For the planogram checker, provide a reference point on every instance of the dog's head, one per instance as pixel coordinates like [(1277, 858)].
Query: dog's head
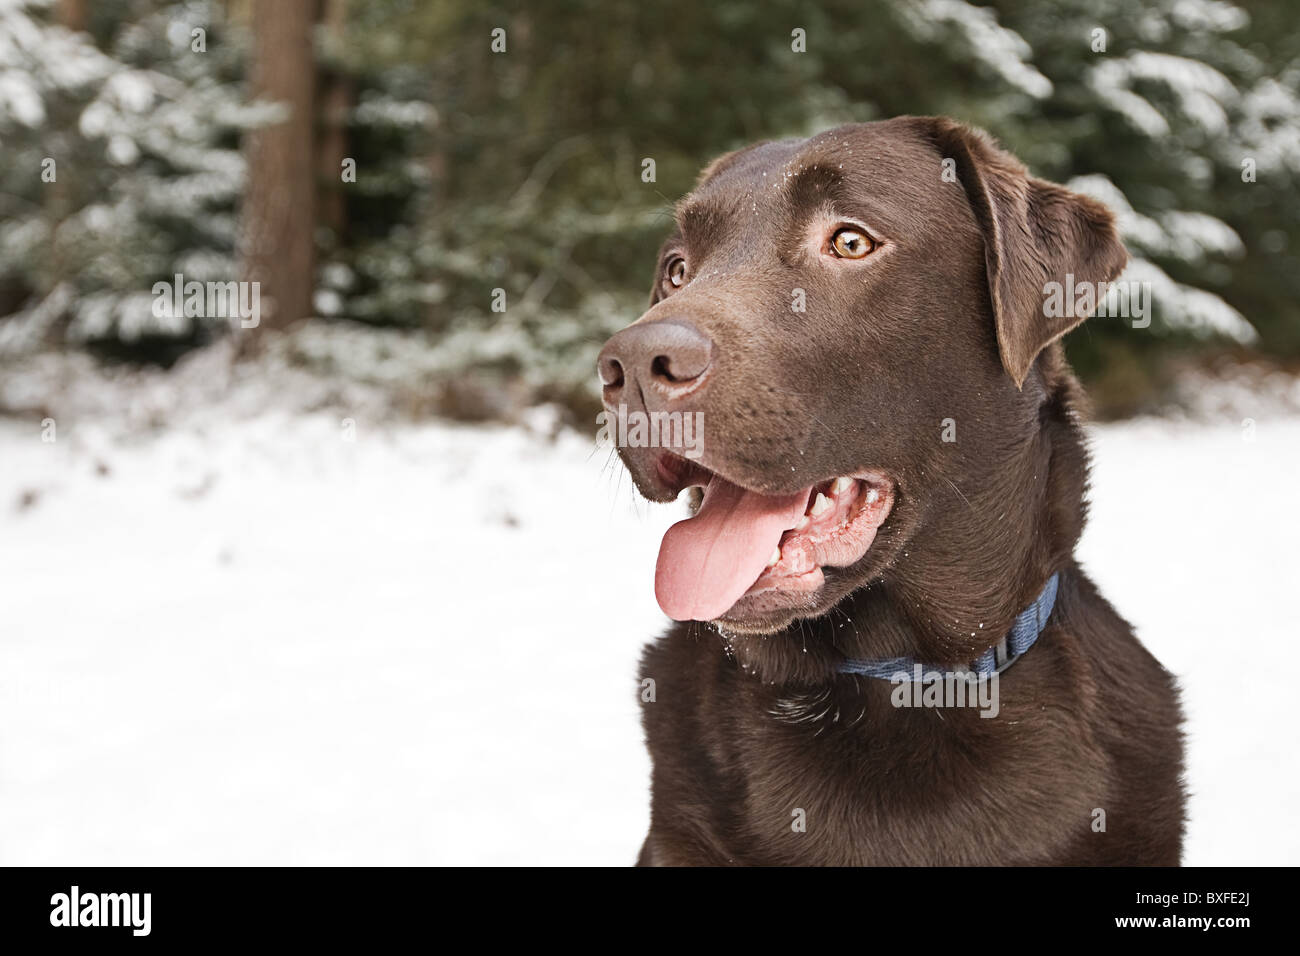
[(849, 328)]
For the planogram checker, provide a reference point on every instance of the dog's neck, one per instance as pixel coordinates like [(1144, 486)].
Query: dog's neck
[(917, 607), (814, 652)]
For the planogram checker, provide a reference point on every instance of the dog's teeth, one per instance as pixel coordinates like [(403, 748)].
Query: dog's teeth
[(872, 495), (821, 505), (776, 557), (841, 485), (803, 523)]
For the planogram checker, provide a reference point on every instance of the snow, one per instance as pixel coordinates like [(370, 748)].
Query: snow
[(1002, 50), (232, 635), (1270, 127), (1202, 91), (1188, 308), (1192, 538), (1210, 15), (261, 643), (35, 58), (1188, 236)]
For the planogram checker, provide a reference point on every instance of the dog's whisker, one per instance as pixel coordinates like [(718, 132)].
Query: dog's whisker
[(959, 494)]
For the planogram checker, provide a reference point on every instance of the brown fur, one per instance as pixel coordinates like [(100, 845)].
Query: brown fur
[(750, 722)]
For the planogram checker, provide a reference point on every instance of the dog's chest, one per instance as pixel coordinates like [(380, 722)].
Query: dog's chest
[(839, 775)]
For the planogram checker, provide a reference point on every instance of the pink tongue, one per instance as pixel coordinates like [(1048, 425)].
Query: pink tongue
[(707, 562)]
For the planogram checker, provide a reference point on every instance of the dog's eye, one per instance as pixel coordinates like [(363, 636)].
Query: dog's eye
[(851, 243), (675, 272)]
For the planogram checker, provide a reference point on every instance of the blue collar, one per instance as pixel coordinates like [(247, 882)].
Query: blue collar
[(1024, 632)]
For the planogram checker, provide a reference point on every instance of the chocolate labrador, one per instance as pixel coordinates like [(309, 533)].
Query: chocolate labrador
[(886, 653)]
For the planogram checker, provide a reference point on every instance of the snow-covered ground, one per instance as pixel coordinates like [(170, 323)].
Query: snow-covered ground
[(244, 638)]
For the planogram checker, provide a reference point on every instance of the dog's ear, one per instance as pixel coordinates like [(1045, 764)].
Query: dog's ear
[(1035, 232)]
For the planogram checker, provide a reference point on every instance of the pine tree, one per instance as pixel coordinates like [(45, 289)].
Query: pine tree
[(121, 169)]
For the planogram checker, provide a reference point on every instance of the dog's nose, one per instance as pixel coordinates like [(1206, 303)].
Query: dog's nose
[(669, 356)]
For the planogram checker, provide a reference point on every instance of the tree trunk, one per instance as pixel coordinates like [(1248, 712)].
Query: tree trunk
[(72, 14), (336, 103), (279, 204)]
